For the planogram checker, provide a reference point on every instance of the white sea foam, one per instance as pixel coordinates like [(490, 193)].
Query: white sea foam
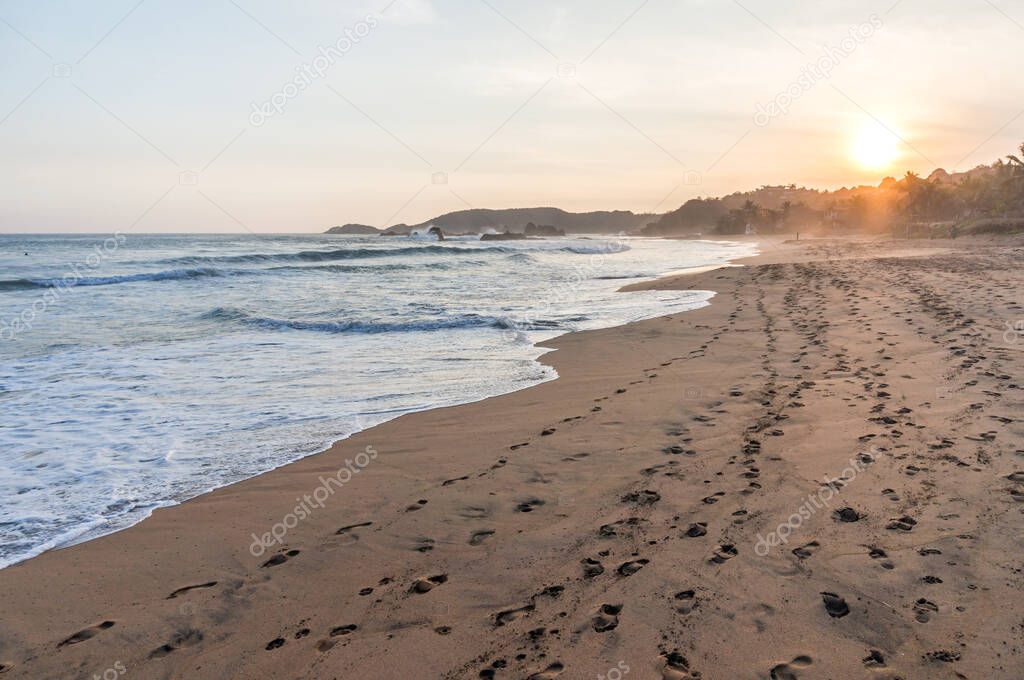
[(193, 362)]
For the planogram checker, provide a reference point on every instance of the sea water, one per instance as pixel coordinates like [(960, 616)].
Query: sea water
[(137, 371)]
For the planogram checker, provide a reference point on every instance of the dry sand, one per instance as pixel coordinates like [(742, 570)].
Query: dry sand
[(609, 523)]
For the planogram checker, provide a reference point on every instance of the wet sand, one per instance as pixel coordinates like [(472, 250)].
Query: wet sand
[(821, 475)]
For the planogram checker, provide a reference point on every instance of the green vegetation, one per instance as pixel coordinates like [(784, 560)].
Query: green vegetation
[(987, 199)]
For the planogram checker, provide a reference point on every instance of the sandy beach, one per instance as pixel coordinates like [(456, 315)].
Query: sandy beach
[(820, 476)]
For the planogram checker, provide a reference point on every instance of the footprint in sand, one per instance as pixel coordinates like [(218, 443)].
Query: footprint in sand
[(183, 638), (874, 659), (86, 634), (343, 630), (609, 530), (876, 553), (643, 497), (479, 537), (696, 530), (591, 567), (607, 618), (806, 550), (529, 504), (550, 591), (943, 655), (630, 568), (182, 591), (835, 605), (676, 666), (923, 610), (449, 482), (549, 673), (350, 530), (336, 632), (790, 671), (503, 618), (576, 457), (425, 585), (687, 601), (847, 515), (279, 558), (724, 554), (904, 524)]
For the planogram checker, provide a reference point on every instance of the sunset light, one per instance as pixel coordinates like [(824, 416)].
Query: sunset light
[(875, 147)]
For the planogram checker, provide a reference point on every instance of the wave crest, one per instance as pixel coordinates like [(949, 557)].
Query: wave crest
[(358, 326)]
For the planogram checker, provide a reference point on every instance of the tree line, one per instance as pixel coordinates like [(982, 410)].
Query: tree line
[(989, 198)]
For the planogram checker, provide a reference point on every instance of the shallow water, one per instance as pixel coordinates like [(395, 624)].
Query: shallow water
[(139, 371)]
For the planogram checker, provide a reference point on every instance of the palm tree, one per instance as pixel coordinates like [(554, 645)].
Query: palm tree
[(1016, 164), (1016, 160), (787, 208)]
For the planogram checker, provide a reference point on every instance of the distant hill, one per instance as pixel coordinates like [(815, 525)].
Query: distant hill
[(359, 229), (994, 192), (516, 219), (986, 197)]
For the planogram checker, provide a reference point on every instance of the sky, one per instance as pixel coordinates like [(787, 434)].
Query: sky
[(270, 117)]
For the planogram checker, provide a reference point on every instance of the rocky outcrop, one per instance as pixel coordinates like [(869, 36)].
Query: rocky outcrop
[(478, 219), (355, 229), (543, 230), (507, 236)]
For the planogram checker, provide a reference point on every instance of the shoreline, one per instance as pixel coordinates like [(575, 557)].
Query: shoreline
[(470, 515), (104, 526)]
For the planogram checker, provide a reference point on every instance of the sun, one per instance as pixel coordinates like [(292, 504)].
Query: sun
[(875, 147)]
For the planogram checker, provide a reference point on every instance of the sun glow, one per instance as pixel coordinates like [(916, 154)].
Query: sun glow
[(875, 148)]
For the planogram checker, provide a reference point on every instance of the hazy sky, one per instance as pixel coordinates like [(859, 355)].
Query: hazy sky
[(218, 115)]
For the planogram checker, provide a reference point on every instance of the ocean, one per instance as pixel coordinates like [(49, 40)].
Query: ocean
[(137, 371)]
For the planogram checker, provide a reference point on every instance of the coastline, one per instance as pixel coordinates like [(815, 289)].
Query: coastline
[(449, 598), (194, 443)]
